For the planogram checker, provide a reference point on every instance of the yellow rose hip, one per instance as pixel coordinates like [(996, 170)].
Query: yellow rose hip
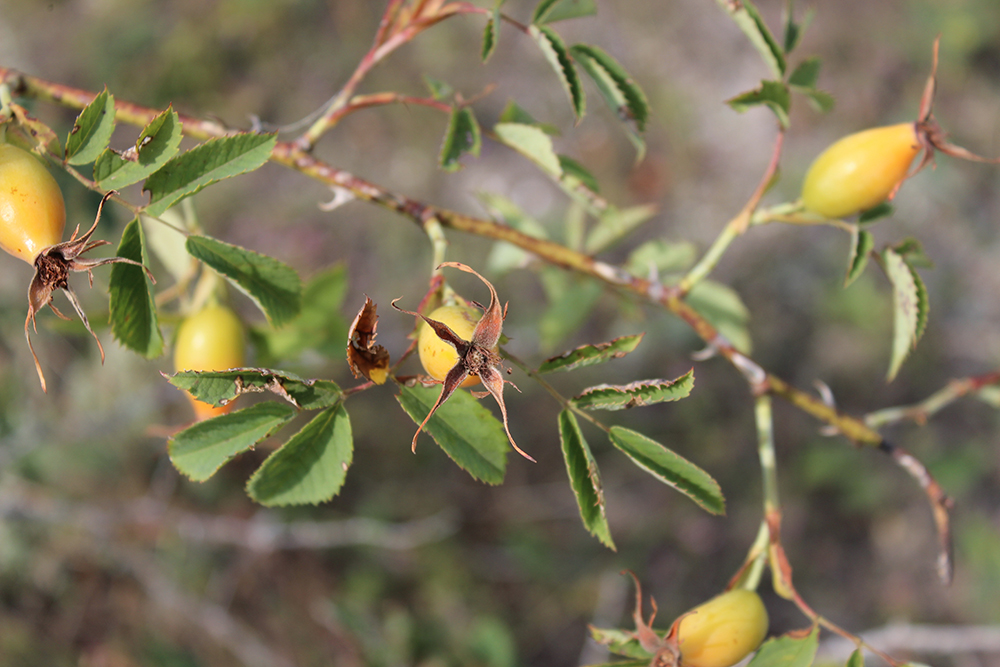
[(722, 631), (32, 211), (718, 633), (210, 340), (866, 168), (436, 355), (860, 170), (476, 354)]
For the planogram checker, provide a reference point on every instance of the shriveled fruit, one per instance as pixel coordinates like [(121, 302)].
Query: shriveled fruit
[(722, 631), (32, 211), (436, 355), (210, 340), (860, 170)]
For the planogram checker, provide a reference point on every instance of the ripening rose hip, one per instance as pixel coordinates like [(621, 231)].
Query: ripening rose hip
[(866, 168), (722, 631), (210, 340), (437, 356), (32, 212), (860, 171)]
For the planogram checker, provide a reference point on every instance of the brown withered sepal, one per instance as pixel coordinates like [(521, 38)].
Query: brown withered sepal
[(475, 357)]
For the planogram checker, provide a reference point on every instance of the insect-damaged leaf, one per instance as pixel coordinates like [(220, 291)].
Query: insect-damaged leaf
[(773, 94), (221, 387), (462, 136), (556, 53), (134, 322), (584, 478), (464, 428), (670, 468), (91, 130), (909, 306), (862, 243), (619, 90), (635, 394), (363, 355), (274, 286), (588, 355), (200, 450), (157, 143), (310, 468), (491, 33)]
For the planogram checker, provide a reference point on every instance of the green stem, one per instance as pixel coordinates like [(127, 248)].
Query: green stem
[(757, 557), (439, 242), (765, 451), (922, 411), (711, 258), (737, 225)]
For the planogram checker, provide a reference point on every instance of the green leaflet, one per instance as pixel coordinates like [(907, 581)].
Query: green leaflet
[(275, 287), (200, 450), (670, 468), (310, 468), (157, 143), (588, 355), (92, 130), (134, 321), (463, 427), (787, 651), (207, 163), (584, 478)]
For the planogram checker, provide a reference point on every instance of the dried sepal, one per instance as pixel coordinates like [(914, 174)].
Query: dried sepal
[(930, 134), (665, 649), (363, 355), (475, 357), (52, 268)]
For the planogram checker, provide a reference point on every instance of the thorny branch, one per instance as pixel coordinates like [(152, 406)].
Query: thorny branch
[(668, 297)]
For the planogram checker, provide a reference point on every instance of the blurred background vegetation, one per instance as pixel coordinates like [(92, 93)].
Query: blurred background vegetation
[(107, 557)]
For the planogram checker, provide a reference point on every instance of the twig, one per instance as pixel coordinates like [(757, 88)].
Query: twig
[(922, 411), (672, 299)]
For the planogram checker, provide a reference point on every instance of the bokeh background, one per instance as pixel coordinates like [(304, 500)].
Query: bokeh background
[(108, 557)]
